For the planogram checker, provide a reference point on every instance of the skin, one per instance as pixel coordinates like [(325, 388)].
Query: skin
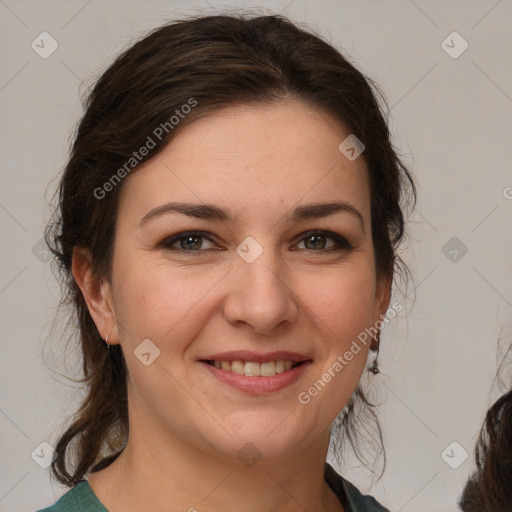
[(186, 427)]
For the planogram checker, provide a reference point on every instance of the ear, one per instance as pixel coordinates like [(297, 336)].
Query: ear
[(382, 296), (97, 295)]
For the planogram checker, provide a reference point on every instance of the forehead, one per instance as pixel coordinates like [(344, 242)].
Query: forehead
[(251, 159)]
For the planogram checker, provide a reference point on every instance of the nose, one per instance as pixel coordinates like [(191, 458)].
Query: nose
[(259, 297)]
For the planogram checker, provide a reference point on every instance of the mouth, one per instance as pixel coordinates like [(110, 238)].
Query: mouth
[(254, 368), (256, 373)]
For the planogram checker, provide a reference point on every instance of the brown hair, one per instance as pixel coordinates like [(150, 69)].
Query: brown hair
[(216, 61), (489, 489)]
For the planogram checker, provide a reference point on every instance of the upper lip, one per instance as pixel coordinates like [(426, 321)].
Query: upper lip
[(257, 357)]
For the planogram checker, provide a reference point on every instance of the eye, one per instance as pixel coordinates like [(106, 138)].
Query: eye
[(190, 241), (317, 241), (314, 241)]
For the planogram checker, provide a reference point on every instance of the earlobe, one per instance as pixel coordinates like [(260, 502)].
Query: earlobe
[(382, 300), (96, 292)]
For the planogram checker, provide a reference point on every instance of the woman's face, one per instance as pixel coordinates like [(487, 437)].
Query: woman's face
[(248, 283)]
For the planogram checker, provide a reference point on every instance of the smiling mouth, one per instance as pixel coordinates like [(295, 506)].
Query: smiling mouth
[(255, 369)]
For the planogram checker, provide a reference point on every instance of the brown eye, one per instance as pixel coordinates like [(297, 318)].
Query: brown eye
[(192, 241), (317, 241)]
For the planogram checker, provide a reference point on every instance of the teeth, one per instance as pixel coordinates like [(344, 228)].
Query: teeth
[(236, 367), (267, 369), (252, 369)]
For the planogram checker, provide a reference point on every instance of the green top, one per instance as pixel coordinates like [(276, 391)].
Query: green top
[(81, 498)]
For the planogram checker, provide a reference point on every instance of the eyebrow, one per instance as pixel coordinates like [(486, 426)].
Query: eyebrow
[(212, 212)]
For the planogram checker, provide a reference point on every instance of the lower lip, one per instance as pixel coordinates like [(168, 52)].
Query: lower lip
[(258, 385)]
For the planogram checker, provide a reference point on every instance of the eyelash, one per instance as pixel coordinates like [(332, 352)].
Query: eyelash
[(342, 243)]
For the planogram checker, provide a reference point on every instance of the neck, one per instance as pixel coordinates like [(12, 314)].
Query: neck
[(153, 473)]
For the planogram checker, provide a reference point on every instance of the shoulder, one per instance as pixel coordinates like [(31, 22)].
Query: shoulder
[(80, 498), (349, 495)]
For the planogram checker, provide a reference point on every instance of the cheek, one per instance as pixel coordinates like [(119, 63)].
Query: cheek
[(341, 307), (158, 302), (343, 302), (163, 305)]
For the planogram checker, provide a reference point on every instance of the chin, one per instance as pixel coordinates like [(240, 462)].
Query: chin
[(269, 437)]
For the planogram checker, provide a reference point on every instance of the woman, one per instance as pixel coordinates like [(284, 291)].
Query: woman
[(227, 227), (490, 488)]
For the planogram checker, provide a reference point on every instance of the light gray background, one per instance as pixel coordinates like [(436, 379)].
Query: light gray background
[(452, 121)]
